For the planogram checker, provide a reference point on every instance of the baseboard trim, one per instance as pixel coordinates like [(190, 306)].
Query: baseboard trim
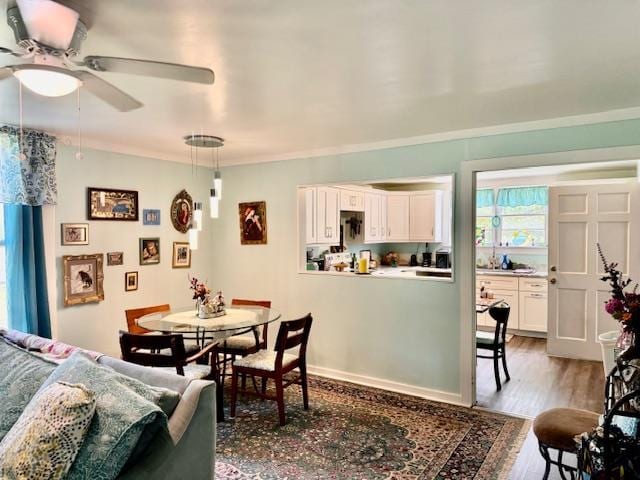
[(429, 394)]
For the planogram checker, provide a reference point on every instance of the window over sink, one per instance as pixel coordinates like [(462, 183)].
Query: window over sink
[(403, 226), (515, 217)]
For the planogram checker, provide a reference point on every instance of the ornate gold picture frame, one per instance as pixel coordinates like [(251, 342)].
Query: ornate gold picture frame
[(83, 279)]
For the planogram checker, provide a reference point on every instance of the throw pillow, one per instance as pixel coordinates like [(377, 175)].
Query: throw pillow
[(45, 440), (21, 375), (122, 421)]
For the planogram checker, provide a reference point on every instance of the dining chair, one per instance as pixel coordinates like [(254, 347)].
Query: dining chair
[(166, 352), (241, 345), (275, 364), (496, 341), (133, 314)]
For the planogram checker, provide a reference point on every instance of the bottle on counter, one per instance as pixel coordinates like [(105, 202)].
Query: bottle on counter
[(504, 263)]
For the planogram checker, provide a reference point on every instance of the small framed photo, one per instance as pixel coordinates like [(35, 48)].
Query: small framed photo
[(130, 281), (181, 255), (115, 258), (110, 204), (75, 234), (253, 223), (83, 279), (150, 217), (149, 251)]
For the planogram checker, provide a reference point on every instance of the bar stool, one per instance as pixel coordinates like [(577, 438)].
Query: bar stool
[(556, 429)]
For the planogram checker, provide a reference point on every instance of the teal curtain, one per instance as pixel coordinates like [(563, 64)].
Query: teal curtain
[(27, 298), (27, 181), (484, 198), (522, 196)]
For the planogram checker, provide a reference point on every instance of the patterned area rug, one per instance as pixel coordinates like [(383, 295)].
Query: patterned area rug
[(355, 432)]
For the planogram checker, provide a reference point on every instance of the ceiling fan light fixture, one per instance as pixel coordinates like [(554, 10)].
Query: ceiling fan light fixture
[(47, 82)]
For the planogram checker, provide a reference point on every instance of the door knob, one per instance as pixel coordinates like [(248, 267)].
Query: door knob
[(552, 281), (553, 268)]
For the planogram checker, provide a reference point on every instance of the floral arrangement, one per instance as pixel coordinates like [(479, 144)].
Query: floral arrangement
[(207, 305), (623, 305)]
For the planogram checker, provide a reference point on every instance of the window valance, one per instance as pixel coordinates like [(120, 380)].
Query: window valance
[(484, 198), (31, 180), (522, 196)]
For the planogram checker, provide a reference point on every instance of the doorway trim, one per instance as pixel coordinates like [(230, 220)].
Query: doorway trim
[(466, 259)]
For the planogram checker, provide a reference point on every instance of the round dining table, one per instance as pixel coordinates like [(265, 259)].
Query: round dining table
[(235, 321)]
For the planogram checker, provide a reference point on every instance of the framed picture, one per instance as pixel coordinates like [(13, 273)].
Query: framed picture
[(130, 281), (115, 258), (75, 234), (109, 204), (149, 251), (83, 279), (181, 211), (181, 255), (150, 217), (253, 223)]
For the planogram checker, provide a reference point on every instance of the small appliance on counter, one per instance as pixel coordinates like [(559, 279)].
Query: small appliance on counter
[(443, 259), (413, 262), (426, 257)]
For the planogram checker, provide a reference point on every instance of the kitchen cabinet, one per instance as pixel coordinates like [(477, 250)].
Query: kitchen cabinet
[(351, 200), (372, 218), (397, 217), (509, 296), (533, 304), (322, 215), (425, 216)]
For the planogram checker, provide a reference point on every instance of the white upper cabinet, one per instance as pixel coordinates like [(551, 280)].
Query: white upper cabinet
[(425, 216), (322, 215), (351, 200), (397, 217), (372, 218)]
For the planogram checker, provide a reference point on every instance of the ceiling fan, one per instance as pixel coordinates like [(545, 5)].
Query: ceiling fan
[(50, 35)]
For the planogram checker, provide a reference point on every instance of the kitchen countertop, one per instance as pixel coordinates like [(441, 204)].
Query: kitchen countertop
[(403, 272), (511, 273)]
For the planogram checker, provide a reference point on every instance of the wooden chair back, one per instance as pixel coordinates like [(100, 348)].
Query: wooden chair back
[(239, 302), (134, 314), (500, 313), (293, 333), (145, 350)]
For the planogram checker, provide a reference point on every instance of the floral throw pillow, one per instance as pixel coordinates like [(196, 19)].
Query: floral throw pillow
[(45, 440)]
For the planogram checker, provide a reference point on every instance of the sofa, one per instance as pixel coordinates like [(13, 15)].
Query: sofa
[(183, 448)]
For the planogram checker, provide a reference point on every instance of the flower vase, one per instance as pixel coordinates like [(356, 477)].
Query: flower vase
[(627, 348)]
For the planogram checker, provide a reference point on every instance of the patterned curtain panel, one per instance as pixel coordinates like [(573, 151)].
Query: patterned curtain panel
[(522, 196), (484, 198), (31, 180)]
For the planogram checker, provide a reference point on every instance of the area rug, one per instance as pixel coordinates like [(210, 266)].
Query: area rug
[(356, 432)]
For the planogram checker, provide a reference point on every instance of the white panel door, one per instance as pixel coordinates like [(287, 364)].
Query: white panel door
[(579, 217), (398, 217)]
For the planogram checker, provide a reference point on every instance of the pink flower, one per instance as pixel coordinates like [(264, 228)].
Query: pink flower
[(613, 306)]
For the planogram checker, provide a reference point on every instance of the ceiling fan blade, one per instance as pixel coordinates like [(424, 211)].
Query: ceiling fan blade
[(10, 52), (149, 68), (106, 92)]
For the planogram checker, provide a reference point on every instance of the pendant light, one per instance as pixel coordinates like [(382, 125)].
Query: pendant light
[(197, 216), (193, 239), (214, 143)]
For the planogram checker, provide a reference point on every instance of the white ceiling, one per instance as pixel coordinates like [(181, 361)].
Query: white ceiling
[(308, 75)]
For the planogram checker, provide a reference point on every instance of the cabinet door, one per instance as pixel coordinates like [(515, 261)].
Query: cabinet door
[(383, 217), (328, 215), (371, 218), (398, 217), (513, 300), (533, 311), (351, 201), (425, 214), (310, 222)]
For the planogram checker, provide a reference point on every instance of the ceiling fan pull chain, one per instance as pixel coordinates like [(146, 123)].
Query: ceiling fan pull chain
[(79, 153), (21, 155)]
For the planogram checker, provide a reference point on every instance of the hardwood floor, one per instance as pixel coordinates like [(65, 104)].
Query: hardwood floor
[(538, 382)]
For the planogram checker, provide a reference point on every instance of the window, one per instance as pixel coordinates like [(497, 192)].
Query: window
[(3, 277), (517, 218)]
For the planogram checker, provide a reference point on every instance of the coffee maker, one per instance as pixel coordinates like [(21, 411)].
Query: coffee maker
[(426, 257)]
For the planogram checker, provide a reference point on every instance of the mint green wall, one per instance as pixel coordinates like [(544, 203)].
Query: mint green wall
[(95, 326), (397, 330)]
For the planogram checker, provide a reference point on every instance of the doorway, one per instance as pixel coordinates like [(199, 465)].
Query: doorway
[(536, 234)]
